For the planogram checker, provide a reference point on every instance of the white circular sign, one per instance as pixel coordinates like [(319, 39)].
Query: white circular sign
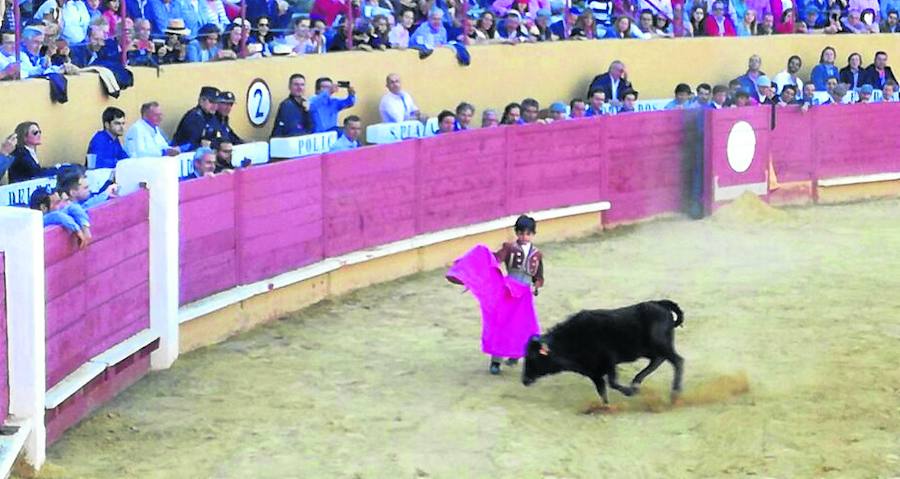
[(741, 146), (259, 102)]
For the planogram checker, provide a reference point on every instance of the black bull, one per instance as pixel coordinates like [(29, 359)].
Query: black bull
[(593, 342)]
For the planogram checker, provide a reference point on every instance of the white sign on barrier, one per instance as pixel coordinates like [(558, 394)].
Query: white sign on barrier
[(257, 152), (20, 193), (297, 146), (380, 133), (431, 126)]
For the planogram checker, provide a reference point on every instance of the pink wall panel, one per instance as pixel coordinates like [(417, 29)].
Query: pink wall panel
[(791, 145), (207, 237), (645, 163), (553, 166), (98, 296), (369, 197), (280, 218), (4, 359), (461, 179), (869, 146)]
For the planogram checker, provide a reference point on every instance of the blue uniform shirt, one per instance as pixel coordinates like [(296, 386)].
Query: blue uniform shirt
[(344, 143), (324, 109), (108, 150)]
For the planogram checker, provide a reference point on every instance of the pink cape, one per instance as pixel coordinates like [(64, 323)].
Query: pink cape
[(507, 306)]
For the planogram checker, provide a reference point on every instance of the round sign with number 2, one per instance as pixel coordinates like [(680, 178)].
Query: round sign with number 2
[(259, 102)]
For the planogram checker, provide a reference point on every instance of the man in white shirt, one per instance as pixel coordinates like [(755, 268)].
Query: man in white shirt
[(9, 69), (145, 139), (397, 105), (74, 18), (789, 76)]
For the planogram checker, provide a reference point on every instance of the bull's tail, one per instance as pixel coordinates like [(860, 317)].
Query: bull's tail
[(673, 307)]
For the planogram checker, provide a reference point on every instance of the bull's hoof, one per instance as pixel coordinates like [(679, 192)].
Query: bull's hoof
[(676, 398), (495, 368), (628, 391), (635, 388)]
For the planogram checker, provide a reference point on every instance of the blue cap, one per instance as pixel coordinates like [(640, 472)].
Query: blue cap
[(867, 89), (575, 11), (558, 107)]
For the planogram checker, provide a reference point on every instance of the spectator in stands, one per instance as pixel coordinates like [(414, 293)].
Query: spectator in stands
[(324, 106), (111, 14), (174, 50), (59, 211), (747, 27), (305, 40), (464, 114), (662, 26), (718, 24), (597, 98), (558, 111), (72, 183), (489, 118), (348, 139), (106, 145), (748, 80), (865, 94), (87, 55), (293, 118), (719, 98), (888, 92), (74, 18), (512, 30), (836, 96), (704, 95), (853, 74), (891, 23), (628, 101), (512, 115), (197, 120), (142, 51), (789, 75), (224, 153), (530, 110), (399, 35), (204, 164), (788, 95), (577, 108), (621, 29), (878, 73), (206, 47), (397, 105), (446, 121), (825, 68), (681, 26), (613, 83), (6, 151), (682, 97), (764, 94), (741, 98), (767, 27), (93, 8), (698, 21), (585, 27), (809, 93), (560, 27), (262, 36), (145, 139), (219, 127), (430, 34), (25, 164), (34, 63), (9, 67)]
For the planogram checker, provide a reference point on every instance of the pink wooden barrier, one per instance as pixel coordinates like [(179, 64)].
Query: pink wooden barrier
[(279, 218), (99, 296), (267, 220), (4, 359), (851, 140), (207, 237)]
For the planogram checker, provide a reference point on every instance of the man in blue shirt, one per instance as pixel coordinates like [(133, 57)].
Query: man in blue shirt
[(430, 34), (106, 145), (349, 139), (293, 117), (324, 107)]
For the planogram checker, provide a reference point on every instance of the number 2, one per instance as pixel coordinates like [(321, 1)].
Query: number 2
[(259, 95)]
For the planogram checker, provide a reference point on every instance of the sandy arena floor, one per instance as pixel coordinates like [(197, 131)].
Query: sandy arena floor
[(791, 341)]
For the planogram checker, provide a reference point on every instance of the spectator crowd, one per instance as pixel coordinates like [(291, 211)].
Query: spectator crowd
[(63, 36)]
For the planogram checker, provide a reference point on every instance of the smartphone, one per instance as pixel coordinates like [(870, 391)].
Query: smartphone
[(343, 84)]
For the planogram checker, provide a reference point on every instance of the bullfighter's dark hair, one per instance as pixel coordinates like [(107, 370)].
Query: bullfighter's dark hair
[(526, 223)]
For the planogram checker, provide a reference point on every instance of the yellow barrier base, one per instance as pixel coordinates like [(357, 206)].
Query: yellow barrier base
[(858, 192)]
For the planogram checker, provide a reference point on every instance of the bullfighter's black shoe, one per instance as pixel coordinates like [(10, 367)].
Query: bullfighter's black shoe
[(495, 368)]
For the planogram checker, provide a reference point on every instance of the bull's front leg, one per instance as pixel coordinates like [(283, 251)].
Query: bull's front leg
[(614, 383), (600, 384)]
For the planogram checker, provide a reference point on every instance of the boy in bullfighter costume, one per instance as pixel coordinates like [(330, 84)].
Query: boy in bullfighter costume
[(507, 305)]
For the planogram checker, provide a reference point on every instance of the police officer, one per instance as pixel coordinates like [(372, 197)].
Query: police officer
[(219, 128), (197, 120)]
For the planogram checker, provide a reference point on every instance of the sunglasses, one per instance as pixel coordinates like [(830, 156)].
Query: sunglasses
[(35, 132), (263, 25)]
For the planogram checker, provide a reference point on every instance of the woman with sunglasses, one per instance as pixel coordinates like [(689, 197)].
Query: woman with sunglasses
[(262, 35), (25, 164)]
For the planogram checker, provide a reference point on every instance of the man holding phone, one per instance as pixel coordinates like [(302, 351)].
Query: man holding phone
[(324, 106)]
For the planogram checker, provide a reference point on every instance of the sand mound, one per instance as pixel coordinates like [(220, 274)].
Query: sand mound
[(748, 208), (717, 389)]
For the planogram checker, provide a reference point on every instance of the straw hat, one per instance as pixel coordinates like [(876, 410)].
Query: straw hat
[(176, 27)]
